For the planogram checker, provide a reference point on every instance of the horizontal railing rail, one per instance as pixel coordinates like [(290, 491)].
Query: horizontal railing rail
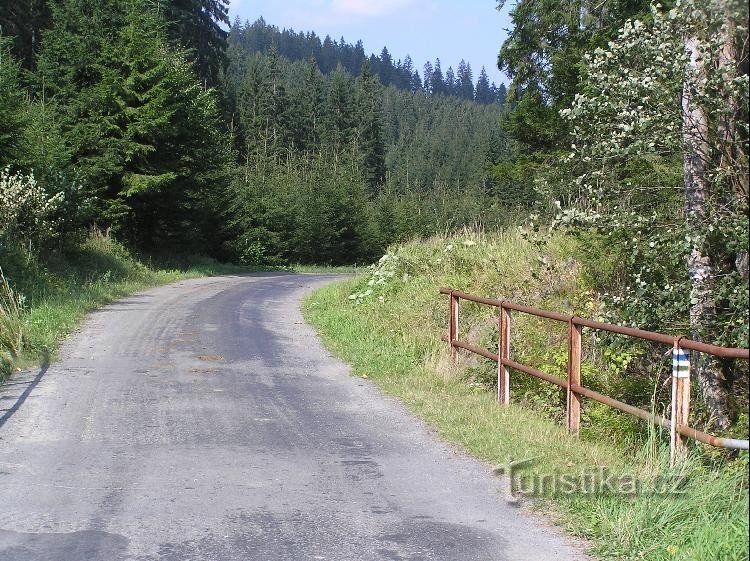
[(678, 423)]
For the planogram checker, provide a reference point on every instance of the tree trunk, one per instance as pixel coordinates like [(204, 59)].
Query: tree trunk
[(733, 159), (700, 266)]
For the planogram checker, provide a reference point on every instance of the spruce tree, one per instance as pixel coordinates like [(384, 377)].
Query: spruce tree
[(450, 82), (339, 112), (309, 101), (24, 21), (483, 93), (12, 106), (140, 130), (197, 25), (465, 85), (437, 82), (369, 133)]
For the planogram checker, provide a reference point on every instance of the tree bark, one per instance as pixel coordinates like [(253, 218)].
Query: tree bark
[(733, 160), (700, 266)]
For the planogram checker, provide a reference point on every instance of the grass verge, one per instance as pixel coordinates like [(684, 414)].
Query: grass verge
[(387, 325), (60, 292)]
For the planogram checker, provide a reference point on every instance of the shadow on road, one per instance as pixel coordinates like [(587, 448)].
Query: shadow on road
[(27, 385)]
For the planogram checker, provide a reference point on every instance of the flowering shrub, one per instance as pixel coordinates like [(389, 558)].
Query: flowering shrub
[(638, 98), (25, 209), (381, 273)]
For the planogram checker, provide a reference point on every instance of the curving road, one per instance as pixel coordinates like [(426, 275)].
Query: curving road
[(203, 421)]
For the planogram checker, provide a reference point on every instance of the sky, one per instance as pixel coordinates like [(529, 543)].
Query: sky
[(425, 29)]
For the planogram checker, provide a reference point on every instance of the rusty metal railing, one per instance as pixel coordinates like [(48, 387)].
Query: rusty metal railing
[(678, 423)]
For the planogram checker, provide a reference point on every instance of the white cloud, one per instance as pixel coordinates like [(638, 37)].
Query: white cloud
[(367, 8)]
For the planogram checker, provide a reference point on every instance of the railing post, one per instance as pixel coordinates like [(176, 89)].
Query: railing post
[(680, 400), (453, 325), (575, 345), (503, 372)]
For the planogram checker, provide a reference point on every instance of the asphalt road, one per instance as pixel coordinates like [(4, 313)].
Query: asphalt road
[(204, 421)]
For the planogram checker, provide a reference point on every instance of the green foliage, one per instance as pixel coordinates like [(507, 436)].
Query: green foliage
[(12, 105), (309, 211), (140, 132), (626, 160), (23, 20), (246, 40), (402, 163), (197, 25)]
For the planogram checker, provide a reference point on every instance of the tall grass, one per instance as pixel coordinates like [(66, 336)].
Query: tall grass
[(11, 325), (392, 336)]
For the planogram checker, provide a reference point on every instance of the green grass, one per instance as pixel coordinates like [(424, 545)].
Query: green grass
[(391, 335), (60, 292), (322, 269)]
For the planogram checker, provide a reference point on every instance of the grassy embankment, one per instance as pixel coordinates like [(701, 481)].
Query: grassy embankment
[(55, 295), (388, 324), (58, 293)]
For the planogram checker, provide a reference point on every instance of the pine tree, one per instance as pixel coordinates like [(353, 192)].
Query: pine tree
[(24, 20), (451, 86), (309, 101), (386, 67), (437, 83), (415, 84), (140, 131), (339, 112), (12, 106), (196, 25), (428, 70), (369, 133), (254, 105), (465, 85), (278, 125), (501, 93), (484, 93)]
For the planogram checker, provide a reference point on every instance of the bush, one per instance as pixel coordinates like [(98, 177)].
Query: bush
[(25, 211)]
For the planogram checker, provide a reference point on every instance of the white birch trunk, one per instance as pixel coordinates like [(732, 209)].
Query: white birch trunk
[(700, 267)]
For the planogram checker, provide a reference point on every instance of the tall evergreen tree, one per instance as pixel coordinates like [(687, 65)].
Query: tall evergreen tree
[(369, 133), (140, 130), (428, 70), (309, 101), (339, 112), (197, 25), (450, 82), (437, 82), (12, 102), (465, 85), (484, 93), (24, 20), (386, 67)]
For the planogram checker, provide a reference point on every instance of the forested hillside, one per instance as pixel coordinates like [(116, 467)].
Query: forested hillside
[(248, 144), (260, 37), (349, 163)]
